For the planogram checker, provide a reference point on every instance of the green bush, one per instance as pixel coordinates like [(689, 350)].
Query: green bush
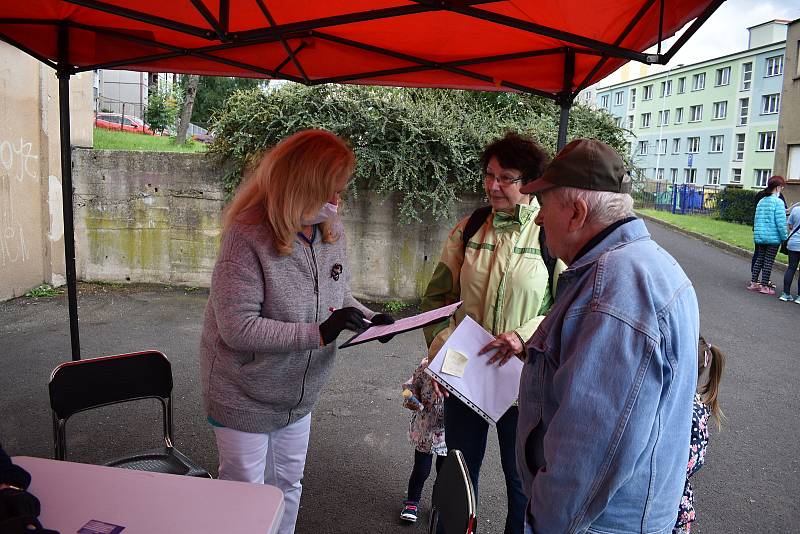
[(422, 144), (737, 205)]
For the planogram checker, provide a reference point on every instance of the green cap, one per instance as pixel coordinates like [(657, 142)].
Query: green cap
[(584, 164)]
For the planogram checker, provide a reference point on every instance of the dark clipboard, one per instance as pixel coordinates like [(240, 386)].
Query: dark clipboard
[(401, 329)]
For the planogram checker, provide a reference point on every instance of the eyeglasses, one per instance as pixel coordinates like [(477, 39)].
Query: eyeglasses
[(502, 179)]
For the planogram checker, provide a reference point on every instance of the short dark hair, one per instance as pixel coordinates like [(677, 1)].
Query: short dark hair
[(517, 152)]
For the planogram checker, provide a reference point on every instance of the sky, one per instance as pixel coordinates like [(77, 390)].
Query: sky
[(725, 32)]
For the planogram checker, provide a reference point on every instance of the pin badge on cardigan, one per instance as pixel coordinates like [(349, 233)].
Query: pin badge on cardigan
[(336, 271)]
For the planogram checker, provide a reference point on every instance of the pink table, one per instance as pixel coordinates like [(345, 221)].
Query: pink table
[(73, 494)]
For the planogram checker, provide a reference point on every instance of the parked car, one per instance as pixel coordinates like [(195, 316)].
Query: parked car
[(116, 121)]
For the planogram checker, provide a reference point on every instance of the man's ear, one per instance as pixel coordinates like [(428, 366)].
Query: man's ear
[(579, 212)]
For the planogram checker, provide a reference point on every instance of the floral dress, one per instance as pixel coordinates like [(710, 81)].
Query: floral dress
[(426, 429), (697, 455)]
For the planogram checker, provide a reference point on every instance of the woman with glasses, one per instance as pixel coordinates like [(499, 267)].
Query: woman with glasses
[(500, 275)]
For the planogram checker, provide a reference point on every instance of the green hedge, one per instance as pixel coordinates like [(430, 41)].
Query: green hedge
[(422, 144), (737, 205)]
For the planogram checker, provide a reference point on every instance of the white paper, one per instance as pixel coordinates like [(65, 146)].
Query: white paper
[(404, 325), (490, 388), (454, 363)]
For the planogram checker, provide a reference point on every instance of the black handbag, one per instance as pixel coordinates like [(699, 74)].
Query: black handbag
[(785, 244)]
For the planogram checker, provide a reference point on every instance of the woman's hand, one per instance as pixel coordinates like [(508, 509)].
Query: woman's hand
[(508, 345), (343, 319), (383, 319)]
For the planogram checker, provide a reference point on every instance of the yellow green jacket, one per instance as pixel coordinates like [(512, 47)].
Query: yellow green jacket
[(501, 277)]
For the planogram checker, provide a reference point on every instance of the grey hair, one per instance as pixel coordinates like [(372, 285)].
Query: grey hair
[(604, 207)]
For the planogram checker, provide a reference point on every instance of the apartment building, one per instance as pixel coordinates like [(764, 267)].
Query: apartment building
[(714, 122)]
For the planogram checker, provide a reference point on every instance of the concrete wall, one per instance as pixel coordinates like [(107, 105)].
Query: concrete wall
[(31, 223), (155, 217)]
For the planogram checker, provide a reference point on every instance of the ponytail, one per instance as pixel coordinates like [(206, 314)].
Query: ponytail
[(711, 364)]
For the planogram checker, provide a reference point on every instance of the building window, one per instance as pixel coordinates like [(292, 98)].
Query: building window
[(699, 81), (647, 92), (618, 98), (673, 175), (676, 145), (766, 141), (692, 145), (747, 75), (689, 176), (717, 143), (645, 120), (774, 66), (618, 122), (744, 111), (793, 164), (660, 174), (661, 146), (712, 176), (630, 122), (739, 153), (723, 76), (696, 113), (642, 148), (681, 85), (604, 101), (678, 115), (736, 176), (633, 98), (663, 117), (770, 103), (721, 109), (761, 177), (666, 88)]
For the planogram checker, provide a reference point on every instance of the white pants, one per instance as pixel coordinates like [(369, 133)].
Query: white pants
[(276, 458)]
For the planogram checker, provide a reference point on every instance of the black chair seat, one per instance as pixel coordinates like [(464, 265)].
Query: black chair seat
[(173, 463)]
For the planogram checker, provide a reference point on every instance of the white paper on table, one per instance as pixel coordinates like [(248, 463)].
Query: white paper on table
[(403, 325), (489, 390)]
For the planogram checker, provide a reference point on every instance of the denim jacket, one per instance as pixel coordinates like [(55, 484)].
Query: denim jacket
[(606, 393)]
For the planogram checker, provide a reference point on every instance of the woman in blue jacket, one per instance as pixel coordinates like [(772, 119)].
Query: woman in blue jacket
[(769, 229)]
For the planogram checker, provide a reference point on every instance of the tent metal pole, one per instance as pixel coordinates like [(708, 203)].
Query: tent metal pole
[(66, 186), (563, 122), (565, 98)]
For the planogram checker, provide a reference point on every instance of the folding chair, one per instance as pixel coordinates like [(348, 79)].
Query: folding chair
[(82, 385), (453, 497)]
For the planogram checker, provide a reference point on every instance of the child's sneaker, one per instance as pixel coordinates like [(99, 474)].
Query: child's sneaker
[(785, 297), (754, 286), (766, 290), (409, 511)]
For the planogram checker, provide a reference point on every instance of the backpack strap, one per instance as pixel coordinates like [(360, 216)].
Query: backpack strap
[(549, 260)]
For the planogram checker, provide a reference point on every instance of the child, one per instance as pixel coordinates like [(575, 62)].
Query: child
[(426, 433), (710, 364)]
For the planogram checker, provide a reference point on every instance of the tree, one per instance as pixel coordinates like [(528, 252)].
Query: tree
[(161, 109), (186, 109), (213, 92)]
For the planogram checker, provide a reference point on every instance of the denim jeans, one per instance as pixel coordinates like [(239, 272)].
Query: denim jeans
[(420, 472), (466, 431), (794, 259)]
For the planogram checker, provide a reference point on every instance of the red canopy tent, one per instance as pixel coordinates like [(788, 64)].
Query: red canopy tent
[(549, 48)]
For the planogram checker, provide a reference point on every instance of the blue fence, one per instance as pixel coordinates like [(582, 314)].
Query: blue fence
[(676, 198)]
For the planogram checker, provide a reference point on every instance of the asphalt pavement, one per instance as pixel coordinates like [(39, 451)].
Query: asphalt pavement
[(359, 458)]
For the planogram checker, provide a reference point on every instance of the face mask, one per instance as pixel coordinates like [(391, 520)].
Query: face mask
[(327, 211)]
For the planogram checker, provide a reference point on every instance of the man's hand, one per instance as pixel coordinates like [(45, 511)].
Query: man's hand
[(508, 345)]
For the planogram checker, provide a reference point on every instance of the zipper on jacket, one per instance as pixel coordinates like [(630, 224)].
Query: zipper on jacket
[(315, 276)]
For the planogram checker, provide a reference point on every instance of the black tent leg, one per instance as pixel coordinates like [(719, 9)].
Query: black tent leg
[(66, 186), (563, 122)]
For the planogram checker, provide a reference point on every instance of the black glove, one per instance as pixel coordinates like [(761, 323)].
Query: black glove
[(382, 318), (343, 319)]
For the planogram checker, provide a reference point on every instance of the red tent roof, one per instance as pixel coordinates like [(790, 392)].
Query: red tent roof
[(539, 46)]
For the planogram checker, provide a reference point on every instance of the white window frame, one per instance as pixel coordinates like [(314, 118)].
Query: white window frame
[(618, 98), (692, 145), (673, 174), (647, 92), (716, 144), (720, 110), (793, 162), (774, 66), (681, 85), (645, 120), (663, 117), (723, 77), (630, 122), (713, 176), (744, 111), (676, 145), (761, 176), (642, 147), (690, 175), (738, 153), (699, 81), (770, 104), (604, 101), (766, 141), (666, 88), (736, 176), (678, 115), (660, 174), (632, 98), (747, 75), (696, 113), (661, 146)]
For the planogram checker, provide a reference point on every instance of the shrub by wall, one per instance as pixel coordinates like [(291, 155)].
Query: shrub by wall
[(737, 205)]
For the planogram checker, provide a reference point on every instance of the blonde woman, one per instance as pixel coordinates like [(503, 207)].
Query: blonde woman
[(267, 345)]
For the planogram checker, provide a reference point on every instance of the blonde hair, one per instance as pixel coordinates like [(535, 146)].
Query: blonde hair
[(292, 180), (710, 365)]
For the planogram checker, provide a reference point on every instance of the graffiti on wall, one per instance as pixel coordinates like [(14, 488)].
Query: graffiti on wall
[(18, 163)]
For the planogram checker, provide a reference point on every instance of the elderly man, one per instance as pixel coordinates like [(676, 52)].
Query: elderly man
[(606, 391)]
